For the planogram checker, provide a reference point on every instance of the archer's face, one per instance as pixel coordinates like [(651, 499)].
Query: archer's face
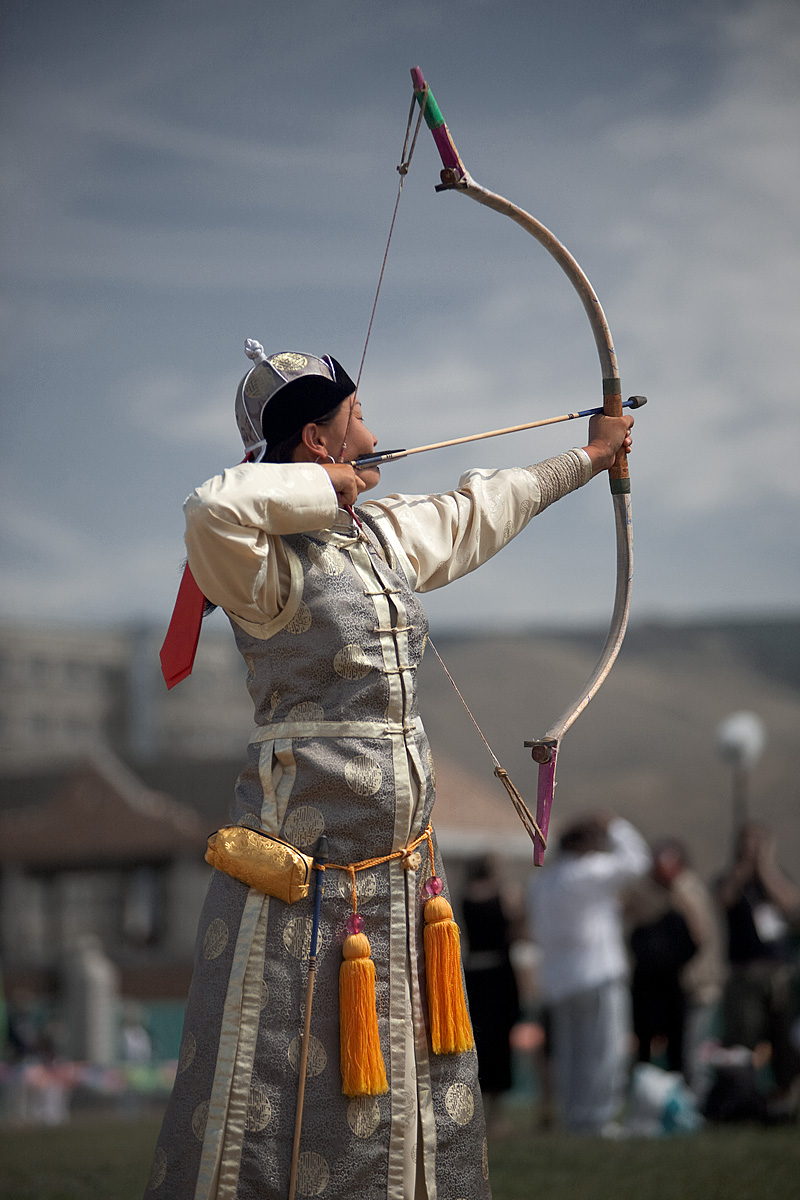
[(350, 438)]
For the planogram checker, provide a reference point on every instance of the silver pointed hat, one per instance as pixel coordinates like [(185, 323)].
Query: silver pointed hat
[(282, 392)]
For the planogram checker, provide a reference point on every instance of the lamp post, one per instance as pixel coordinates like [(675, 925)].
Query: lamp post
[(741, 738)]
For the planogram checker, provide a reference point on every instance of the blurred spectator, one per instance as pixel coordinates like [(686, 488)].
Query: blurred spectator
[(678, 965), (136, 1048), (48, 1084), (38, 1084), (23, 1030), (491, 984), (761, 905), (576, 920), (704, 974), (661, 946), (136, 1044)]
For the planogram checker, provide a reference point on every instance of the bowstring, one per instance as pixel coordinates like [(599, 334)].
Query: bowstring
[(406, 155), (523, 812), (521, 808)]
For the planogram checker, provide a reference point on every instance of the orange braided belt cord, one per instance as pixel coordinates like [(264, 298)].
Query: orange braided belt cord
[(365, 864)]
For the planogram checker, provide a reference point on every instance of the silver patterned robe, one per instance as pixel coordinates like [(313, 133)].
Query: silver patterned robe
[(338, 748)]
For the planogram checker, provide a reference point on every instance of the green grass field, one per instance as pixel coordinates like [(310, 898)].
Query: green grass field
[(110, 1160)]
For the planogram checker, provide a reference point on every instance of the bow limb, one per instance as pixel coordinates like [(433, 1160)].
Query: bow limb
[(455, 177)]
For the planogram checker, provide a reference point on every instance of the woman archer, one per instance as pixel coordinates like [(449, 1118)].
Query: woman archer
[(322, 601)]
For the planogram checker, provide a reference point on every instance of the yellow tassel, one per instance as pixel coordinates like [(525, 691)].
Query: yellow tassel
[(451, 1032), (363, 1070)]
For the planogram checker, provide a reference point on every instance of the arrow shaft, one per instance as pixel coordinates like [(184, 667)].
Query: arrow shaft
[(376, 460)]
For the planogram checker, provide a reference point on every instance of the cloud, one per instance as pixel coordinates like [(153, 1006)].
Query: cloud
[(170, 185), (55, 569), (695, 252), (178, 407), (709, 301)]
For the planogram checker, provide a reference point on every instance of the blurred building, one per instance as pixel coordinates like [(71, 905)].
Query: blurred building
[(66, 691), (109, 788), (61, 694), (101, 881)]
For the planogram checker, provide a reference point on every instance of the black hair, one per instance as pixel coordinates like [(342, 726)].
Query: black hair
[(283, 452), (479, 868), (584, 836)]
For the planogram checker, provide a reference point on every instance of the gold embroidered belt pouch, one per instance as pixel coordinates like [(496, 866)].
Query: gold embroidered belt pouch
[(262, 861)]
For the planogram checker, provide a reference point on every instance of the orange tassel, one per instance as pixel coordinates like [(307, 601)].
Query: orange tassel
[(451, 1032), (363, 1070)]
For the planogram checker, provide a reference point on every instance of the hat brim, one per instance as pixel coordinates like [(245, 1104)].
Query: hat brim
[(299, 402)]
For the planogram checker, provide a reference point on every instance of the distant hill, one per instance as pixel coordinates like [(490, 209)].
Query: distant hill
[(646, 746), (771, 647)]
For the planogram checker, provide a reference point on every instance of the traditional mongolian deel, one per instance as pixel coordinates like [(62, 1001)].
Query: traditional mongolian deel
[(339, 749), (332, 633), (327, 621)]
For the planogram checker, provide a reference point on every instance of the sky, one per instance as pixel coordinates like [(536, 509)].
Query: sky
[(180, 176)]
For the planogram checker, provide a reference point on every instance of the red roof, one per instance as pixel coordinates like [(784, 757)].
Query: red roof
[(473, 814), (100, 813)]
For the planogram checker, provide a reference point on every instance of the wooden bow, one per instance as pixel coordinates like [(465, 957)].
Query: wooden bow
[(455, 177)]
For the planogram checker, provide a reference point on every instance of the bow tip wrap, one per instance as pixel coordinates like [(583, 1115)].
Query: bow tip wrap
[(545, 753)]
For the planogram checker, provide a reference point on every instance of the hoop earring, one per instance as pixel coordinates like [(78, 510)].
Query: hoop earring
[(328, 458)]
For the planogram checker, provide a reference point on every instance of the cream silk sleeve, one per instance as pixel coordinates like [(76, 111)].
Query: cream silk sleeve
[(232, 523), (443, 537)]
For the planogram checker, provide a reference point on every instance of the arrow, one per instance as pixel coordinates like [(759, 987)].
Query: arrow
[(388, 456)]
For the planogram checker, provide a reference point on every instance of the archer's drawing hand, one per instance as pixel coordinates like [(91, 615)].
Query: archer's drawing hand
[(607, 435), (347, 483)]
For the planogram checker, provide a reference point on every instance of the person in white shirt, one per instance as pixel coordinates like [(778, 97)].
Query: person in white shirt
[(575, 919)]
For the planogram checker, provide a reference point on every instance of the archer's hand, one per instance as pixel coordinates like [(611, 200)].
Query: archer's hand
[(347, 483), (607, 435)]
